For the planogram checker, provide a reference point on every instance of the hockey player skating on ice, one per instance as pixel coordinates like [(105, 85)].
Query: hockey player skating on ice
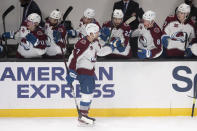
[(56, 33), (33, 38), (88, 17), (82, 65), (116, 29), (149, 37), (179, 33)]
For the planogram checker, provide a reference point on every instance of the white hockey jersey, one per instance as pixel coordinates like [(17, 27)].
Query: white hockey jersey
[(123, 33), (181, 35), (54, 48), (81, 31), (25, 48), (149, 39), (84, 56)]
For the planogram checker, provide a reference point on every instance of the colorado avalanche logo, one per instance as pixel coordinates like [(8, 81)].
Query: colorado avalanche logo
[(143, 41), (179, 36)]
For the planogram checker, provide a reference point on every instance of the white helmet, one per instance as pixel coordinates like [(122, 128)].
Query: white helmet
[(56, 14), (89, 13), (149, 15), (194, 49), (34, 18), (184, 8), (118, 13), (92, 28)]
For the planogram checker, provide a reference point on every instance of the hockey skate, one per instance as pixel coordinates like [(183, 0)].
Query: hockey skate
[(84, 119)]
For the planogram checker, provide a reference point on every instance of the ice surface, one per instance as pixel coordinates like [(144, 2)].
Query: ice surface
[(102, 124)]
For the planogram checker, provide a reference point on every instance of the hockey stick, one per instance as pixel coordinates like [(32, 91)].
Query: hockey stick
[(74, 95), (186, 37), (4, 27), (131, 19), (82, 117), (67, 12), (70, 8), (194, 99)]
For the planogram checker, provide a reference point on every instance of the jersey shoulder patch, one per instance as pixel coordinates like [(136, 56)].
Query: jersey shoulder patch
[(156, 30)]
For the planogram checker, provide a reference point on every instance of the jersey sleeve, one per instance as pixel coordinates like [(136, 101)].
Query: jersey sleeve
[(156, 35)]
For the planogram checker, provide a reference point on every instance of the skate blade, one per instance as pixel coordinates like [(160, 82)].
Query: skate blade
[(82, 124)]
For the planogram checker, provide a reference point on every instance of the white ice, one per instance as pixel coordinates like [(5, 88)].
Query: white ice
[(102, 124)]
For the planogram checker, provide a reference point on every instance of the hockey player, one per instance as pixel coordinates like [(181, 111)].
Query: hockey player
[(149, 37), (56, 33), (33, 38), (178, 33), (82, 65), (116, 29), (88, 17)]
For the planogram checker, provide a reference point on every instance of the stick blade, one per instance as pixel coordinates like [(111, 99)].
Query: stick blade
[(8, 11), (131, 19), (70, 8)]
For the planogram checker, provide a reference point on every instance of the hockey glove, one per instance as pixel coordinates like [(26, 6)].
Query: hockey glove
[(164, 41), (71, 76), (8, 35), (32, 39), (116, 43), (120, 47), (144, 53), (104, 33), (56, 36), (72, 33)]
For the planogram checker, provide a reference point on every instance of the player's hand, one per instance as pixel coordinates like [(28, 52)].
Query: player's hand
[(115, 43), (32, 39), (71, 76), (72, 33), (144, 53), (104, 33), (165, 41), (8, 35)]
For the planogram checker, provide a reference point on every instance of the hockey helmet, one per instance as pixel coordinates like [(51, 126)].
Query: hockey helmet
[(56, 14), (34, 18), (118, 14), (92, 28), (149, 15), (89, 13), (184, 8)]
